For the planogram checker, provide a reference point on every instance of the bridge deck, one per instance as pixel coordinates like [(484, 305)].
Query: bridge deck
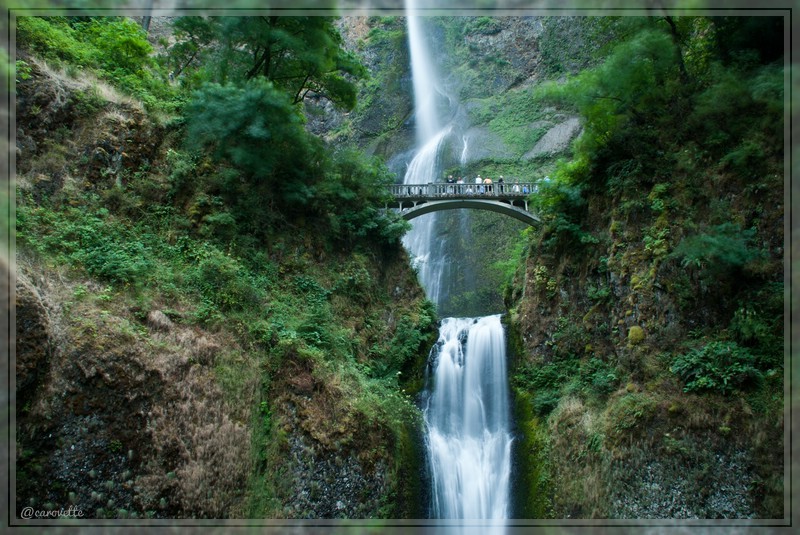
[(414, 200), (437, 191)]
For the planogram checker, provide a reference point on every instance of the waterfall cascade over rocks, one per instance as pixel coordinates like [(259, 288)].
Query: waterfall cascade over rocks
[(467, 408), (468, 436)]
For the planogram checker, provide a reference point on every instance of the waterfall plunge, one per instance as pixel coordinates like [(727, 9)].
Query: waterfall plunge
[(467, 412), (467, 417), (429, 102)]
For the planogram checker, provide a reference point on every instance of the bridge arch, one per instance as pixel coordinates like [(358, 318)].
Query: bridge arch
[(414, 200), (480, 204)]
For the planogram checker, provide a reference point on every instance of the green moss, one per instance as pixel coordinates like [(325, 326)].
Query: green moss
[(635, 335), (408, 501), (531, 489)]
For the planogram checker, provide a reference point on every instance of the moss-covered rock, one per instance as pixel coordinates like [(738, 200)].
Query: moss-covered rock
[(635, 335)]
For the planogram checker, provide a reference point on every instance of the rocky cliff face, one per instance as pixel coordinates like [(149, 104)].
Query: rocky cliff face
[(127, 406), (121, 418), (637, 446), (118, 411)]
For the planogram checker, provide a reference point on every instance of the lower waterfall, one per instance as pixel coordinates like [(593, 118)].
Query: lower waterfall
[(467, 420)]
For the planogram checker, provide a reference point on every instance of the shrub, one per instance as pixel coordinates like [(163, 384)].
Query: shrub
[(113, 48), (52, 38), (598, 377), (119, 44), (97, 242), (719, 366), (116, 261), (221, 280), (758, 325), (256, 128), (545, 401), (561, 203), (631, 410), (722, 250)]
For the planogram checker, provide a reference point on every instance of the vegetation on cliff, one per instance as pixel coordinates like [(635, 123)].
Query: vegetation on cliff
[(227, 318), (650, 308)]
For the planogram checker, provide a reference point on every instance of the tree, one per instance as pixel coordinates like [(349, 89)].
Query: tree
[(194, 37), (300, 55), (256, 128)]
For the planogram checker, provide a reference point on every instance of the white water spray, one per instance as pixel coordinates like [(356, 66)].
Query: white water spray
[(429, 103), (467, 420), (467, 412)]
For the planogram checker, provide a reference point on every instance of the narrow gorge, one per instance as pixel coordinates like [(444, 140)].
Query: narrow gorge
[(218, 317)]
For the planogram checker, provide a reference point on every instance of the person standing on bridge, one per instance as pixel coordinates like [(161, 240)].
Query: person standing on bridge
[(501, 183), (478, 184), (488, 183)]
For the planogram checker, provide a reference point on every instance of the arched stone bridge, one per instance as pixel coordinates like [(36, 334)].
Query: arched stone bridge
[(414, 200)]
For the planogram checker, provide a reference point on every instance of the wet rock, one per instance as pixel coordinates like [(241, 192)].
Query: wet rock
[(331, 484)]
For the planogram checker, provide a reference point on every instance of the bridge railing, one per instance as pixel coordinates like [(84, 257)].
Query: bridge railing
[(427, 191)]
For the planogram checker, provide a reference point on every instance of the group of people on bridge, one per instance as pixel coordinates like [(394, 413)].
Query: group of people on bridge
[(484, 185), (452, 186)]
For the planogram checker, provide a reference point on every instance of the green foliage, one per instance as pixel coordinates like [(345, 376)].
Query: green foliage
[(355, 279), (757, 324), (638, 79), (222, 281), (191, 49), (256, 128), (531, 481), (411, 336), (508, 267), (656, 241), (570, 44), (22, 70), (748, 159), (119, 45), (105, 248), (737, 105), (52, 38), (722, 250), (561, 205), (598, 378), (631, 411), (115, 49), (88, 102), (598, 293), (482, 25), (510, 116), (352, 194), (719, 366), (314, 293), (545, 383), (301, 56)]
